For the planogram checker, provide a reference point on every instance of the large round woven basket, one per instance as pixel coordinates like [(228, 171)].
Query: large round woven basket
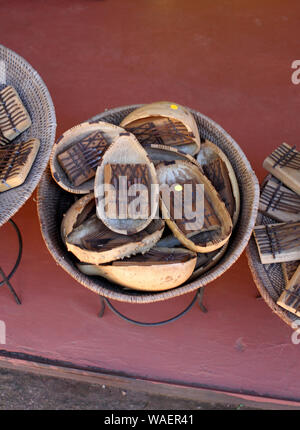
[(15, 71), (54, 201), (268, 278)]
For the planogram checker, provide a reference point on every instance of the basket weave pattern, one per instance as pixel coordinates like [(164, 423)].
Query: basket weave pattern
[(268, 278), (53, 202), (15, 71)]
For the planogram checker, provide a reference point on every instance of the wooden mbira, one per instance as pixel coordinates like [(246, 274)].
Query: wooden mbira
[(126, 175), (219, 171), (279, 202), (81, 159), (205, 260), (216, 219), (14, 118), (85, 235), (290, 297), (289, 268), (164, 123), (278, 243), (77, 154), (134, 175), (16, 160), (284, 164), (159, 269), (3, 140)]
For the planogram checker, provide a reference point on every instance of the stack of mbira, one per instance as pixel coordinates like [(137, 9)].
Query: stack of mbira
[(16, 155), (158, 202), (280, 242)]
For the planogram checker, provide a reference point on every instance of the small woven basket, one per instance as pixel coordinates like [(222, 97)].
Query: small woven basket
[(54, 201), (15, 71), (268, 278)]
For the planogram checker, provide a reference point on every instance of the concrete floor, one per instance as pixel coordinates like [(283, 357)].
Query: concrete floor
[(26, 391)]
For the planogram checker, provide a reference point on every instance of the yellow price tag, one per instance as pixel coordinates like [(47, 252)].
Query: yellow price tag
[(178, 187)]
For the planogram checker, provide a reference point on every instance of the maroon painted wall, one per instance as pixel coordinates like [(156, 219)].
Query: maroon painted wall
[(230, 60)]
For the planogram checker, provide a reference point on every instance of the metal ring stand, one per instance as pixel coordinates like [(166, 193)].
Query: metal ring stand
[(198, 296), (6, 278)]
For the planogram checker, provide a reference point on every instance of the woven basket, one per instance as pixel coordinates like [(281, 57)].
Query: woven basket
[(15, 71), (54, 201), (268, 278)]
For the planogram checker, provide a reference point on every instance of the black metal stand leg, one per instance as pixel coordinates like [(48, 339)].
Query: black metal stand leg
[(198, 296), (10, 286), (6, 278), (101, 313), (200, 300)]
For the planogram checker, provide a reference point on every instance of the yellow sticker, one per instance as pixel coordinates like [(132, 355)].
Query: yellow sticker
[(178, 187), (174, 107)]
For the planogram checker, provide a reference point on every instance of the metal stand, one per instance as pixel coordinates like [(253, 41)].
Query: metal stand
[(6, 278), (198, 297)]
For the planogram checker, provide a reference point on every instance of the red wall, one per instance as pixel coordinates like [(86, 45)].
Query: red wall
[(230, 60)]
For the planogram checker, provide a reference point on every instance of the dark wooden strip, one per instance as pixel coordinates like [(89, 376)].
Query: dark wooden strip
[(217, 173)]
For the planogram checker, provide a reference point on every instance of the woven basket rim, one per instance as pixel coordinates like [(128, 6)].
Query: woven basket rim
[(254, 263), (211, 275), (27, 188), (263, 291)]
